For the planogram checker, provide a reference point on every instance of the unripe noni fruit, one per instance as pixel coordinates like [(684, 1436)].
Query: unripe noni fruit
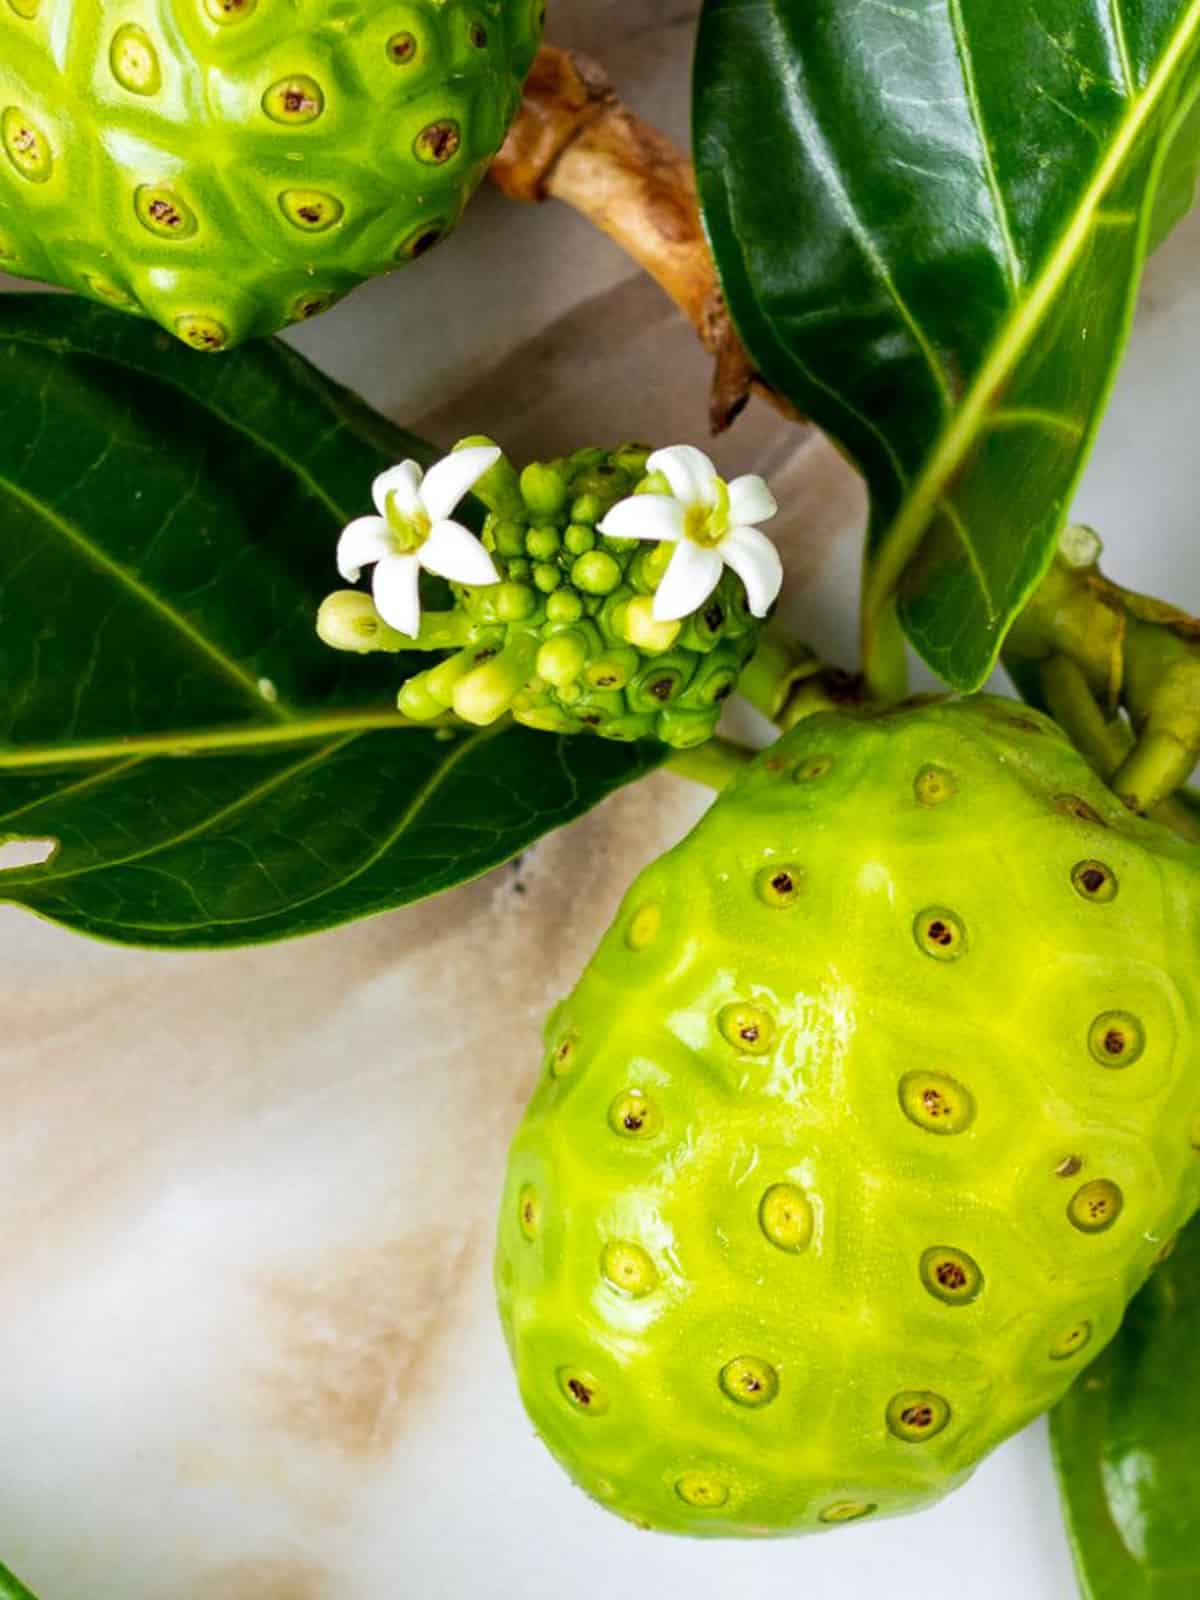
[(873, 1109), (230, 166)]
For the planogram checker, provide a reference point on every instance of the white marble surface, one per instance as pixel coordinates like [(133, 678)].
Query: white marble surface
[(247, 1350)]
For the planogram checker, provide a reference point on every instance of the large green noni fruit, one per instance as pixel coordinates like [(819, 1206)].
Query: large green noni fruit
[(874, 1107), (229, 166)]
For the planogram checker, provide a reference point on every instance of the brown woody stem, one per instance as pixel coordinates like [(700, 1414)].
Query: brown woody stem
[(574, 141)]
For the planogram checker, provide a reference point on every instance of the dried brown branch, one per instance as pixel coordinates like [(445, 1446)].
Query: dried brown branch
[(574, 141)]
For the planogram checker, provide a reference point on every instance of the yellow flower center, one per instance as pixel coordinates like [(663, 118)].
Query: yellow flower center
[(409, 531), (708, 525)]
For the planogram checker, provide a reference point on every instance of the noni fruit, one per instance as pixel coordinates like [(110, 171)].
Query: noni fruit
[(874, 1107), (566, 641), (230, 166)]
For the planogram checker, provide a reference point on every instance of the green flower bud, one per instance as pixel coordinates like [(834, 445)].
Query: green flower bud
[(562, 658), (564, 606), (578, 539), (634, 621), (587, 508), (416, 703), (514, 602), (546, 577), (487, 692), (596, 572), (507, 537), (544, 489), (543, 542)]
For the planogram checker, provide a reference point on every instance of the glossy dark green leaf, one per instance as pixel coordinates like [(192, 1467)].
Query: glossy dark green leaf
[(1127, 1446), (930, 223), (213, 774), (11, 1588)]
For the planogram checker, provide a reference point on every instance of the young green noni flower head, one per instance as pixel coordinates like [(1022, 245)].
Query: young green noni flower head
[(564, 628)]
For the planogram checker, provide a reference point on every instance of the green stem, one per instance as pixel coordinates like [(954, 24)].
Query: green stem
[(714, 764), (885, 658), (777, 665), (1106, 744)]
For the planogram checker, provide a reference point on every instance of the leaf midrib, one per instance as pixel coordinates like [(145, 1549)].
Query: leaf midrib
[(198, 740), (134, 586), (411, 812), (903, 538)]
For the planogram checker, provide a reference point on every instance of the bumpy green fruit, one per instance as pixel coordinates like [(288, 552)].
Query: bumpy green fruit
[(230, 166), (873, 1109)]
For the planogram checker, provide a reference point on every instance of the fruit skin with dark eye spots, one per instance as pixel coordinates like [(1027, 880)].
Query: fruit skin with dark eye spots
[(872, 1250), (230, 166)]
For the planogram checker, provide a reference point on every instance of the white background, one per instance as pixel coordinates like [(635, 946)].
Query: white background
[(247, 1350)]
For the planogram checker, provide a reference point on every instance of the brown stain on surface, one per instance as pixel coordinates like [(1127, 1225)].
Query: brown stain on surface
[(363, 1338), (265, 1580)]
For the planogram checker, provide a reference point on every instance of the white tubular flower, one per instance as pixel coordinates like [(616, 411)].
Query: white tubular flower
[(712, 525), (413, 530)]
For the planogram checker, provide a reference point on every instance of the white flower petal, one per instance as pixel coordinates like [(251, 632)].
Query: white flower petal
[(756, 561), (690, 473), (691, 576), (644, 516), (404, 482), (362, 541), (452, 551), (397, 593), (445, 483), (750, 501)]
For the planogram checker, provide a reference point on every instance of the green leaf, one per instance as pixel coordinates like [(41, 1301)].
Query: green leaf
[(930, 223), (1125, 1444), (213, 774), (1181, 174), (12, 1588)]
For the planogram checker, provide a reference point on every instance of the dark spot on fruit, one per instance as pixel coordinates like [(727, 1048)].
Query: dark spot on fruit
[(936, 1102), (847, 1511), (1095, 1207), (778, 887), (714, 617), (916, 1416), (1094, 881), (748, 1381), (478, 35), (701, 1490), (229, 10), (1071, 1341), (661, 688), (438, 142), (1116, 1039), (634, 1116), (1069, 1166), (582, 1390), (402, 48), (951, 1275), (294, 100), (1072, 805), (940, 934)]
